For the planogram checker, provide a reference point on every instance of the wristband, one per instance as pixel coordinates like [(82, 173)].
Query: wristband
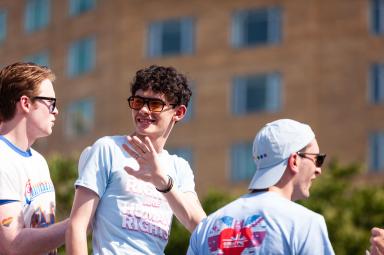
[(169, 186)]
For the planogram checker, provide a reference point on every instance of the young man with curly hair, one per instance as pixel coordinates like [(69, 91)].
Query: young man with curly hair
[(129, 187), (27, 196)]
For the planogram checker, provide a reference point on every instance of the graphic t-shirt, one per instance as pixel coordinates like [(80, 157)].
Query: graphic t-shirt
[(132, 216), (25, 178), (261, 223)]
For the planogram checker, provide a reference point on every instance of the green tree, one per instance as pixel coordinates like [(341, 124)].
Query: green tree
[(351, 208), (63, 175)]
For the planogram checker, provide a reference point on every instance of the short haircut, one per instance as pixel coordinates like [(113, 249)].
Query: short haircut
[(165, 80), (20, 79)]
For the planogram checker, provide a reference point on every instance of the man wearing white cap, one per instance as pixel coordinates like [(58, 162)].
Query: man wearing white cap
[(266, 221)]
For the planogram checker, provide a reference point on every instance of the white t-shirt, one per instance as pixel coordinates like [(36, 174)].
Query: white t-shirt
[(132, 216), (24, 177), (261, 223)]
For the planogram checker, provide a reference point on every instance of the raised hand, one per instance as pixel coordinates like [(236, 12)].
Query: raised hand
[(150, 168)]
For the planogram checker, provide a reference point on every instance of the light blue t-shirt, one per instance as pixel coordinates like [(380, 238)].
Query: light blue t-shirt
[(261, 223), (132, 216)]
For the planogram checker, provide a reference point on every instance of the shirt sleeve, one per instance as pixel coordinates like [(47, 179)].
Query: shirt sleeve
[(95, 167), (185, 177), (8, 186), (192, 248), (317, 241)]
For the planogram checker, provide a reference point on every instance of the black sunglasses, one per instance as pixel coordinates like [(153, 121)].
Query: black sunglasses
[(153, 104), (52, 106), (319, 157)]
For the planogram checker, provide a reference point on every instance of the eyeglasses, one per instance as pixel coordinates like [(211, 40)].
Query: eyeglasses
[(319, 157), (52, 100), (153, 104)]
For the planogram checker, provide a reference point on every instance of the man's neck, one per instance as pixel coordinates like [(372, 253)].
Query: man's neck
[(285, 191), (15, 131)]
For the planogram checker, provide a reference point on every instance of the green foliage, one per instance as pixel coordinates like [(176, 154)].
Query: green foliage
[(350, 209), (178, 239), (63, 175), (215, 200)]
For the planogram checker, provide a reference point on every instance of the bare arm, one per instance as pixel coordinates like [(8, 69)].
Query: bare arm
[(83, 211), (16, 239), (185, 206)]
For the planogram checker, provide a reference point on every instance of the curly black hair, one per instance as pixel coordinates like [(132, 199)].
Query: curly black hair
[(165, 80)]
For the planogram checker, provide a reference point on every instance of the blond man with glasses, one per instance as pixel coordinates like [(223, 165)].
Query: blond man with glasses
[(27, 197)]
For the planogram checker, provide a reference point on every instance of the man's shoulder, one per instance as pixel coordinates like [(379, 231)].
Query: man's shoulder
[(297, 209), (110, 141)]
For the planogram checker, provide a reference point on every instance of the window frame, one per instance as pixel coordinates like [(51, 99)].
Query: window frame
[(37, 15), (40, 58), (273, 98), (3, 25), (242, 166), (376, 83), (377, 17), (81, 56), (239, 35), (376, 150), (187, 36), (88, 118), (78, 7)]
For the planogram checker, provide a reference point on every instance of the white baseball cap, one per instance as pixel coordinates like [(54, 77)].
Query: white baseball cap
[(273, 145)]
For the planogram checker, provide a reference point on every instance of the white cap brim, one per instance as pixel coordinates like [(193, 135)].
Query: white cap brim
[(267, 177)]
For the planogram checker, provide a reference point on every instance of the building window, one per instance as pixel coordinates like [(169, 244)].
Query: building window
[(37, 14), (256, 27), (79, 118), (82, 56), (183, 152), (77, 7), (3, 25), (376, 84), (242, 165), (40, 58), (256, 93), (377, 17), (376, 151), (171, 37)]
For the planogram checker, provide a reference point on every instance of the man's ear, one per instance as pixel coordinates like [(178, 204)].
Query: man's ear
[(25, 104), (293, 163), (181, 110)]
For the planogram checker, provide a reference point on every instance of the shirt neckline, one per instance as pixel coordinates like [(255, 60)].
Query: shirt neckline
[(19, 151)]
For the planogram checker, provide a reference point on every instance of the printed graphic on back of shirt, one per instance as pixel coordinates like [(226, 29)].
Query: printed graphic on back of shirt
[(236, 236)]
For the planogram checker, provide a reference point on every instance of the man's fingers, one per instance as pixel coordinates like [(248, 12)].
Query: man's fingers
[(139, 145), (130, 151), (130, 171), (149, 144)]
